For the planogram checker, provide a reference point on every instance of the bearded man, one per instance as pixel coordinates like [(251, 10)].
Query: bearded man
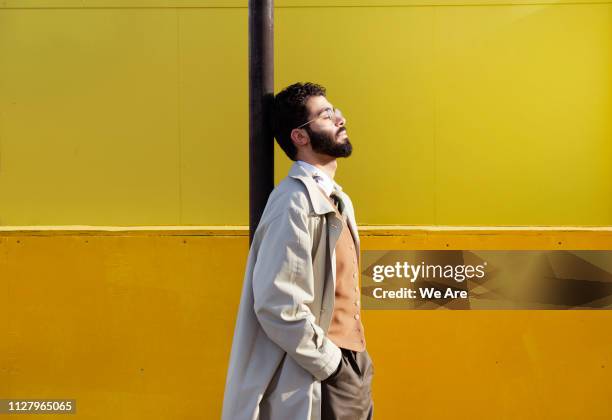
[(299, 348)]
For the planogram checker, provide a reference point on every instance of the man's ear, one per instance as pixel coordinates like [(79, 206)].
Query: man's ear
[(299, 137)]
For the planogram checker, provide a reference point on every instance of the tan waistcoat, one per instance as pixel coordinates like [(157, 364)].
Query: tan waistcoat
[(346, 329)]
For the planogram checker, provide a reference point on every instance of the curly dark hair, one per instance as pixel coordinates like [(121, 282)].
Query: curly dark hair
[(290, 111)]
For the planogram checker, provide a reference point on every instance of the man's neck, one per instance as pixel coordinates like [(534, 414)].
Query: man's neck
[(326, 165)]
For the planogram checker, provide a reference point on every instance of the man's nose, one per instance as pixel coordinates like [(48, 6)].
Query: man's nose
[(340, 120)]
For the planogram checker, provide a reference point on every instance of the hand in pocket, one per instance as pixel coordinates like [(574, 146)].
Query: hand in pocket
[(334, 375)]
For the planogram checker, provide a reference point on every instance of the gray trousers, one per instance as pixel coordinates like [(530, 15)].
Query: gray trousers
[(347, 393)]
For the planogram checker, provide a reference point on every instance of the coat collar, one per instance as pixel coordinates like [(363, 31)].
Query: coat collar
[(320, 203)]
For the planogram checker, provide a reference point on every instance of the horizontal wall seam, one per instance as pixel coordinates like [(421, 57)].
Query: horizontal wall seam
[(233, 231)]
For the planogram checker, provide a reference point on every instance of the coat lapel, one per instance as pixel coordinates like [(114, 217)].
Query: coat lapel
[(321, 204)]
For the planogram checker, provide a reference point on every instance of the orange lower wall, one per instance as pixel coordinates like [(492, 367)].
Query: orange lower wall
[(137, 324)]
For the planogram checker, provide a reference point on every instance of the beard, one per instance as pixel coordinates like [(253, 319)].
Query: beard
[(327, 144)]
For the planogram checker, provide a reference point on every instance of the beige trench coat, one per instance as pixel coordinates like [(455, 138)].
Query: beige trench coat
[(280, 351)]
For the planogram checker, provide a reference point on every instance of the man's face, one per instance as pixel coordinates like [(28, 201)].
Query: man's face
[(326, 136)]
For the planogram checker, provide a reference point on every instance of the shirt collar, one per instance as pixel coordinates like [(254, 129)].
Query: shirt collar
[(320, 177)]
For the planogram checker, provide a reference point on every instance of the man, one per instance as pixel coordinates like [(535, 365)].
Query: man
[(299, 346)]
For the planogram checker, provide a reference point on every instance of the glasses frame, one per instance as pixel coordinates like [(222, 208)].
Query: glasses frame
[(330, 113)]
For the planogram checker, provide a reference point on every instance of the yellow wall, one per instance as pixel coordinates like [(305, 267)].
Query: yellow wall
[(138, 325), (135, 112)]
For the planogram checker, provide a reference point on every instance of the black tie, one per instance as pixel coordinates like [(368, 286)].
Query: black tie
[(338, 202)]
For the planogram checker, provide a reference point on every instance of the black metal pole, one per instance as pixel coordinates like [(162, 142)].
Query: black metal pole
[(261, 96)]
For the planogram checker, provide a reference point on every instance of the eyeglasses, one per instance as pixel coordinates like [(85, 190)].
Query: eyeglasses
[(328, 114)]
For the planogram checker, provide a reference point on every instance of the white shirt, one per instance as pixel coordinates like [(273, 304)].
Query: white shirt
[(320, 177)]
